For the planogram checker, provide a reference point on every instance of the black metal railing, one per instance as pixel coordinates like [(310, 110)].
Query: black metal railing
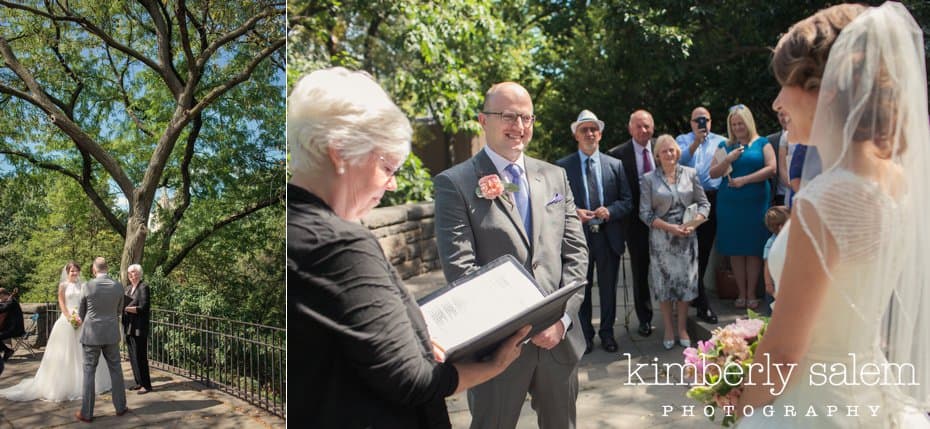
[(246, 360)]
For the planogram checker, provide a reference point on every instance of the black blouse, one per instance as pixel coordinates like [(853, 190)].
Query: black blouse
[(358, 350)]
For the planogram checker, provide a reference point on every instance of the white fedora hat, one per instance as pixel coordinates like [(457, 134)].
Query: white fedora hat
[(587, 116)]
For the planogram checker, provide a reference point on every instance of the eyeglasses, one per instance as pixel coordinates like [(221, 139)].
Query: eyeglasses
[(585, 130), (389, 169), (737, 107), (511, 117)]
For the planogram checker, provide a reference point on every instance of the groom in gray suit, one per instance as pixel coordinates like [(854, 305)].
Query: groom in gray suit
[(538, 225), (101, 305)]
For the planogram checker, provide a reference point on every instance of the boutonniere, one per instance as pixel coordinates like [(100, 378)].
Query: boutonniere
[(491, 187)]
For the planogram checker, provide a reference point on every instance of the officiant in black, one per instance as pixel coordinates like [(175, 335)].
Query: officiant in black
[(136, 327), (12, 325), (366, 360)]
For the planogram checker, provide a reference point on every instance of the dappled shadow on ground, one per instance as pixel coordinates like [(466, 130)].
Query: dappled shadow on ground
[(161, 408)]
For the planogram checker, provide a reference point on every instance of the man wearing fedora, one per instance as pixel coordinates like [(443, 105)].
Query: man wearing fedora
[(603, 198)]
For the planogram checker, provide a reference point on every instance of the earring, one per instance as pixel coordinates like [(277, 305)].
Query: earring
[(341, 170)]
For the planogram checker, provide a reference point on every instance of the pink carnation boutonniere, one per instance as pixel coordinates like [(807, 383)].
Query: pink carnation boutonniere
[(491, 187)]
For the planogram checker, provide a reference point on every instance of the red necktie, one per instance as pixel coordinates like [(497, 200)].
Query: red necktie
[(647, 166)]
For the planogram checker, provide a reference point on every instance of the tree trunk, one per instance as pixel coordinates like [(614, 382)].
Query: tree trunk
[(134, 245)]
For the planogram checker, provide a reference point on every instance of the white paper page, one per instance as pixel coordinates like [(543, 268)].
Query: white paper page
[(478, 305)]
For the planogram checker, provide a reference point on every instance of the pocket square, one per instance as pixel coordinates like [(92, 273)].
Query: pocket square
[(555, 199)]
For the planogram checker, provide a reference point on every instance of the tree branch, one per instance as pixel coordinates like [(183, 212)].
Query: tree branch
[(217, 91), (84, 180), (181, 14), (185, 190), (83, 141), (203, 235), (120, 77), (69, 107), (248, 25), (163, 35), (90, 27)]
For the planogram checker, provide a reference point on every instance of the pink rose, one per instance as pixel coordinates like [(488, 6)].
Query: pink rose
[(748, 328), (490, 187), (706, 346), (731, 398)]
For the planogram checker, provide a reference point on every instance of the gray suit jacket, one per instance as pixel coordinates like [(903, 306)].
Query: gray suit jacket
[(472, 231), (101, 306), (657, 198)]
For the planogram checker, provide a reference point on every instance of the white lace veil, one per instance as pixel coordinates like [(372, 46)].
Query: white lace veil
[(870, 210)]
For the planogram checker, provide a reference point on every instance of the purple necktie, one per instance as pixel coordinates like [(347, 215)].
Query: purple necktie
[(647, 166), (522, 200)]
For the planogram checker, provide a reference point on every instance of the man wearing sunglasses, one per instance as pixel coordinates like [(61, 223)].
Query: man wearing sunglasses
[(697, 151)]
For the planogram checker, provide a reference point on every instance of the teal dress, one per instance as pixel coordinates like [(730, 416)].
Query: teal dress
[(741, 211)]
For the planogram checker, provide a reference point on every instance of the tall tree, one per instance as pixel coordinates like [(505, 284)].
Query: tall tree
[(129, 98)]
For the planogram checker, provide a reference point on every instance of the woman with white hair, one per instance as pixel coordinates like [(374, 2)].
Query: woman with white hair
[(136, 327), (366, 359)]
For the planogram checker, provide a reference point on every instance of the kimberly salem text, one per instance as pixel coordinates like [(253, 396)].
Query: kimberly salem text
[(773, 410), (853, 373)]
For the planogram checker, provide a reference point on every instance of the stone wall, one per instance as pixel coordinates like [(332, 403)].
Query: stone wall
[(406, 234)]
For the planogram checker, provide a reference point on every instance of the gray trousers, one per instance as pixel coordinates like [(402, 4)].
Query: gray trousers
[(552, 385), (91, 357)]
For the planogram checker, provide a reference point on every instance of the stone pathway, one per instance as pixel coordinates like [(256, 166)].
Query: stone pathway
[(176, 402), (610, 395)]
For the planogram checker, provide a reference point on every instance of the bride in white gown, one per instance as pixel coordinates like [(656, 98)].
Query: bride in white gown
[(61, 373), (854, 281)]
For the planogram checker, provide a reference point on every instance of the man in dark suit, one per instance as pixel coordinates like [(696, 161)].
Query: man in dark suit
[(136, 327), (12, 326), (637, 159), (603, 199), (535, 222)]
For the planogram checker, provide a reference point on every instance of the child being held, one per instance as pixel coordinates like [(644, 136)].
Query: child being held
[(775, 219)]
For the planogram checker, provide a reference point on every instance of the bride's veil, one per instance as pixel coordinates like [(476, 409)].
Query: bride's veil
[(873, 98)]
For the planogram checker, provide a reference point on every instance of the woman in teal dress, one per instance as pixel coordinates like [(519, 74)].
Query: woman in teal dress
[(742, 200)]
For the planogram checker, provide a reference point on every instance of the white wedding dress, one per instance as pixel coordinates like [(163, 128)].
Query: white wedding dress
[(846, 334), (61, 373)]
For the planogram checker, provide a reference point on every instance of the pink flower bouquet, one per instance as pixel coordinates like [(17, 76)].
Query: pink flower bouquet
[(491, 187), (717, 367)]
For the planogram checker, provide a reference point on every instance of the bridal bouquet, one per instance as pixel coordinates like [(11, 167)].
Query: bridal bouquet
[(718, 366), (73, 319)]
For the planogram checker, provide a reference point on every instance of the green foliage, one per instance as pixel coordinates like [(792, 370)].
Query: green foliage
[(612, 57), (238, 273), (413, 184), (68, 229), (121, 127), (20, 208)]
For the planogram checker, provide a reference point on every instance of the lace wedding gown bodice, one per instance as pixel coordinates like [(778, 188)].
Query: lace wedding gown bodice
[(61, 373), (73, 296), (846, 333)]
